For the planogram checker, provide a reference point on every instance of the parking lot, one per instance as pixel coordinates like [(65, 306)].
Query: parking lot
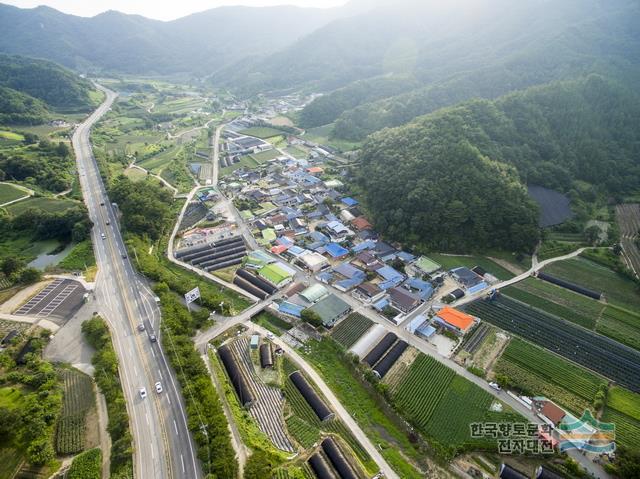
[(59, 299)]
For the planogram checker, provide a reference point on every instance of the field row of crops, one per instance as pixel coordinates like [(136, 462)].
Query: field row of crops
[(621, 325), (591, 350), (623, 409), (351, 329), (535, 371), (78, 400), (617, 289), (442, 405)]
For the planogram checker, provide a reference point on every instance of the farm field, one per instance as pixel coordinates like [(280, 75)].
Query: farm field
[(450, 262), (623, 409), (384, 428), (617, 289), (537, 372), (79, 399), (322, 135), (628, 218), (558, 301), (272, 323), (351, 329), (621, 325), (10, 461), (245, 161), (589, 349), (265, 156), (51, 205), (430, 393), (306, 427), (134, 174), (297, 152), (9, 193), (262, 132), (11, 135)]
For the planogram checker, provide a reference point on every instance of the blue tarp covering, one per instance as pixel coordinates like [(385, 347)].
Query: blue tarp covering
[(290, 309), (335, 250), (349, 201), (365, 245)]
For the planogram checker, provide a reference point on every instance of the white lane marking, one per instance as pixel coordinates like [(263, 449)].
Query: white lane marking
[(160, 374), (153, 456), (182, 460), (153, 352), (169, 399), (175, 425), (146, 415)]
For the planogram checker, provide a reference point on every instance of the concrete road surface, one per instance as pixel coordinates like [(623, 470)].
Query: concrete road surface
[(163, 447)]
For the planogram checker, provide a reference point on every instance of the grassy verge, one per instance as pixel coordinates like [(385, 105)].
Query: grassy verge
[(80, 258), (207, 422)]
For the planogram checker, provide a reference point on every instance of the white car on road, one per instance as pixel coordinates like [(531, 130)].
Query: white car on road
[(143, 393), (158, 387)]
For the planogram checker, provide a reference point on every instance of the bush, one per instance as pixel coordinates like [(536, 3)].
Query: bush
[(87, 465)]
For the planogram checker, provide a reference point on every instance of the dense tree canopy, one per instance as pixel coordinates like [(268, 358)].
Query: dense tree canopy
[(454, 180), (145, 206)]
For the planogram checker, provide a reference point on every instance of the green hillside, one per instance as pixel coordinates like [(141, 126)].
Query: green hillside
[(454, 180)]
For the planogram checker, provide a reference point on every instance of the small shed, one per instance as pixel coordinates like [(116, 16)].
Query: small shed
[(255, 341)]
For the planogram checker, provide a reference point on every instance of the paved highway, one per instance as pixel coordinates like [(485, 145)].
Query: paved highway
[(163, 447)]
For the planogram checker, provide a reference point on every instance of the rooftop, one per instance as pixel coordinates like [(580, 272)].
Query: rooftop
[(330, 309), (456, 318)]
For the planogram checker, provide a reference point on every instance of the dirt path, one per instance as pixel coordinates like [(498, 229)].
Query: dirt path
[(105, 439)]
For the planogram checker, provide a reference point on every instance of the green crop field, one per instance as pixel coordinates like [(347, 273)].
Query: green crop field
[(351, 329), (273, 323), (265, 156), (297, 152), (262, 132), (10, 135), (442, 405), (621, 325), (617, 289), (322, 135), (51, 205), (87, 465), (623, 409), (558, 301), (78, 400), (10, 193), (491, 267), (10, 461), (538, 372)]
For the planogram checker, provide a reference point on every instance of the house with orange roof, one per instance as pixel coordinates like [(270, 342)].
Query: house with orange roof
[(454, 320), (315, 170), (361, 223)]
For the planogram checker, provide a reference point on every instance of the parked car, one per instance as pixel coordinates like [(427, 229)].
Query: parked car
[(495, 386)]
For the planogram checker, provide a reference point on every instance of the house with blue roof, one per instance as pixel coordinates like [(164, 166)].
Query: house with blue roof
[(365, 245), (290, 309), (349, 201), (336, 251), (423, 289)]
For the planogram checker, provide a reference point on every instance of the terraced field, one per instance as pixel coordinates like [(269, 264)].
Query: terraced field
[(351, 329), (621, 325), (589, 349), (538, 372)]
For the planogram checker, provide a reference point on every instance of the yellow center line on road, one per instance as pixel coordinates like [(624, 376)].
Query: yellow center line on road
[(129, 316)]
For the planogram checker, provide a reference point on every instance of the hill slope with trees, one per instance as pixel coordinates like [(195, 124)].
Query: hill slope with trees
[(455, 179)]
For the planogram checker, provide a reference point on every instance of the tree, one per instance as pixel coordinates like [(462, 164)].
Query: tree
[(30, 275), (628, 463), (311, 317), (11, 265), (592, 234)]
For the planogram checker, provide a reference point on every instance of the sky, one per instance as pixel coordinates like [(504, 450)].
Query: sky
[(159, 9)]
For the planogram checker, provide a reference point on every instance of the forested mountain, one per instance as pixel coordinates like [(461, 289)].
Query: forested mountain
[(197, 44), (29, 88), (455, 179), (485, 48)]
